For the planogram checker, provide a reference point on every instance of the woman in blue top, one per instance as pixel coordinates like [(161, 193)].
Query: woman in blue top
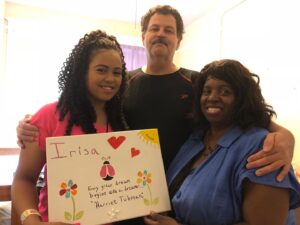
[(208, 181)]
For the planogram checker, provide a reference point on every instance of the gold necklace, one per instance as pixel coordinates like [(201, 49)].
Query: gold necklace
[(208, 148), (207, 151)]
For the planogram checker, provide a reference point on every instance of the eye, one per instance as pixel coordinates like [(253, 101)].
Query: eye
[(170, 31), (154, 29), (225, 92), (118, 73), (206, 92), (101, 69)]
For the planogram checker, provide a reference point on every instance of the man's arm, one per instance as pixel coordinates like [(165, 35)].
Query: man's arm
[(277, 152), (26, 131)]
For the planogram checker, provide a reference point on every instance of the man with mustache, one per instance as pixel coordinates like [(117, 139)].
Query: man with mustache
[(160, 93)]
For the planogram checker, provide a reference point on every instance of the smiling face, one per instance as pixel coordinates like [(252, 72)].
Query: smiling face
[(104, 75), (217, 102), (160, 39)]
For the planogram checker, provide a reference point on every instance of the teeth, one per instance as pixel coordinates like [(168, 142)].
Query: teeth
[(213, 110), (106, 87)]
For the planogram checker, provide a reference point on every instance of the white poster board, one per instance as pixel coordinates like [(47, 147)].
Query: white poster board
[(102, 178)]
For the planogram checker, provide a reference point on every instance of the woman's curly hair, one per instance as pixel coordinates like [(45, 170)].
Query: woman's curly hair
[(74, 98), (251, 110)]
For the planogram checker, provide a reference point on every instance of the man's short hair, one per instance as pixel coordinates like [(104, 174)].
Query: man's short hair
[(164, 10)]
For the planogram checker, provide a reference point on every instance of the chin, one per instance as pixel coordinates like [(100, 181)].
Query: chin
[(103, 99), (159, 52)]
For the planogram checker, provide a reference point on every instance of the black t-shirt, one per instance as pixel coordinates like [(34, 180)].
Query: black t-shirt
[(163, 102)]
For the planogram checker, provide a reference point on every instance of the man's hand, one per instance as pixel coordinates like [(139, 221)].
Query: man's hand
[(158, 219), (277, 153), (25, 131)]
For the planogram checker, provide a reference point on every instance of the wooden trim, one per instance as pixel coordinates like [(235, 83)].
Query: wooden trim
[(5, 193), (10, 151)]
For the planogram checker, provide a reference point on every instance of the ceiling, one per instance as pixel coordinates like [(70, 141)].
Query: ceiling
[(123, 10)]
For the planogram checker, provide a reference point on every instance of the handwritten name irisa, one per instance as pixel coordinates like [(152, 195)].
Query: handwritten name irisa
[(72, 153)]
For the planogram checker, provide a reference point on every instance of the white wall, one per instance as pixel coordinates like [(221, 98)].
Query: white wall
[(2, 39), (264, 36), (200, 42)]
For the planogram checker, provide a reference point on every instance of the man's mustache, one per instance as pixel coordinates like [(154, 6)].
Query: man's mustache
[(159, 41)]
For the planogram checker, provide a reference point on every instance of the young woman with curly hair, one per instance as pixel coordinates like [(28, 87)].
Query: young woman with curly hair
[(92, 83)]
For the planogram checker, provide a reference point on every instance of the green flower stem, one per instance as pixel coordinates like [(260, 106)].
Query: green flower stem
[(149, 192), (74, 210)]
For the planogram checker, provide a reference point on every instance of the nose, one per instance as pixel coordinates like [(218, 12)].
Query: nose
[(214, 96), (109, 77), (161, 32)]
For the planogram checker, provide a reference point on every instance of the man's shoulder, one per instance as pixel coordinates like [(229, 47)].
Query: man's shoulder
[(190, 74), (188, 71), (134, 73)]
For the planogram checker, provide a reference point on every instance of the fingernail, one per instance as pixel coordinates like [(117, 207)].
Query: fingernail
[(258, 173), (248, 166), (249, 159)]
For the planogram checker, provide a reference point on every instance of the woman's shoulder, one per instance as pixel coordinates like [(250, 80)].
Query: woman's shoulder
[(48, 107), (241, 144), (255, 133), (46, 112)]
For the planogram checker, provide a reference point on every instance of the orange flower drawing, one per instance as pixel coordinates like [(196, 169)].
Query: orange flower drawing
[(69, 190), (145, 179)]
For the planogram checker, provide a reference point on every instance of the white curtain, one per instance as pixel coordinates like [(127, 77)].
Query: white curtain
[(135, 56)]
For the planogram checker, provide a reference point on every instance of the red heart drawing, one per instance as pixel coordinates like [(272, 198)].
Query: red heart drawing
[(134, 152), (116, 142)]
